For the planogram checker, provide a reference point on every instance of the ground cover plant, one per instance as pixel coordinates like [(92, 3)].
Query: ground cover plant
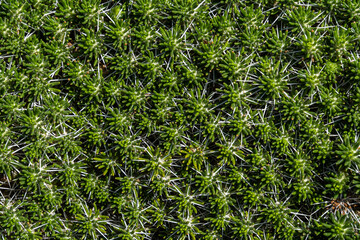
[(181, 119)]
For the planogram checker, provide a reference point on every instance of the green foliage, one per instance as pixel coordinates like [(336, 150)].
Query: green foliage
[(179, 119), (91, 223), (337, 226), (348, 152)]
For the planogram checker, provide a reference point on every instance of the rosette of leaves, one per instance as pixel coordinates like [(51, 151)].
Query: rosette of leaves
[(229, 151), (38, 148), (57, 108), (236, 66), (264, 128), (146, 124), (295, 109), (152, 65), (163, 98), (302, 18), (126, 64), (220, 222), (352, 10), (238, 177), (203, 31), (76, 73), (303, 189), (278, 214), (90, 185), (113, 90), (348, 152), (157, 162), (213, 127), (92, 89), (170, 81), (38, 65), (68, 143), (59, 52), (49, 198), (299, 165), (16, 11), (6, 78), (333, 70), (56, 29), (337, 226), (137, 213), (253, 38), (147, 12), (92, 44), (33, 122), (186, 200), (323, 148), (186, 11), (211, 53), (273, 79), (337, 184), (20, 81), (119, 33), (278, 42), (225, 27), (198, 106), (312, 45), (254, 196), (12, 216), (313, 77), (90, 12), (8, 161), (192, 74), (270, 177), (95, 134), (52, 222), (145, 37), (283, 139), (195, 155), (171, 136), (171, 41), (34, 177), (341, 43), (185, 227), (135, 97), (128, 145), (67, 9), (259, 157), (15, 44), (41, 87), (90, 223), (332, 101), (70, 170), (6, 132), (315, 131), (5, 27), (130, 185), (245, 226), (118, 120), (208, 179), (160, 185), (241, 124)]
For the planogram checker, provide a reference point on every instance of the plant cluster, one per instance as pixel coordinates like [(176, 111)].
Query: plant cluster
[(184, 119)]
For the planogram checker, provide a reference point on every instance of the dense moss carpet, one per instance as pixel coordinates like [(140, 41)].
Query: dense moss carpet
[(179, 119)]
